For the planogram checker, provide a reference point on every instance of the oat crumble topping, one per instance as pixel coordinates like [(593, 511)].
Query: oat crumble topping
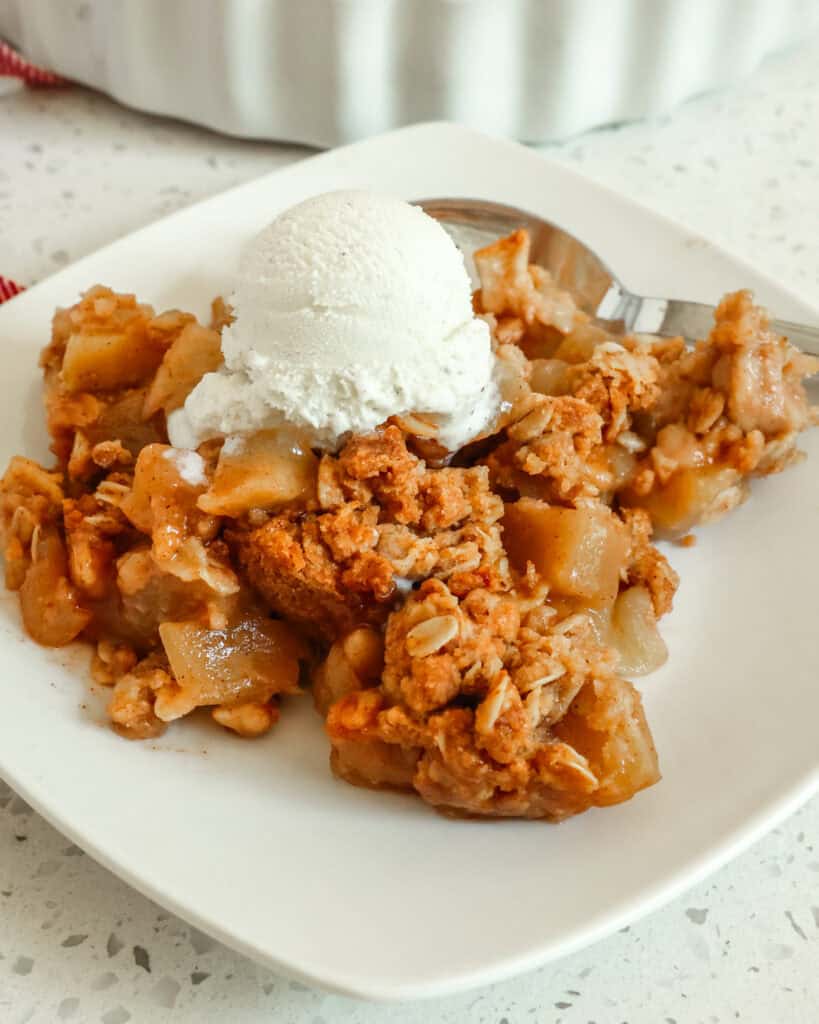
[(466, 624)]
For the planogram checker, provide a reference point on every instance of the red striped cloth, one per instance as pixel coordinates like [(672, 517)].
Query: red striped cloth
[(8, 289), (12, 65)]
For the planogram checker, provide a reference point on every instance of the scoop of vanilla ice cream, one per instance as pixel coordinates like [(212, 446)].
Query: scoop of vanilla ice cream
[(350, 307)]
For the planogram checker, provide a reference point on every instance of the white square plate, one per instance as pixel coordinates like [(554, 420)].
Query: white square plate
[(371, 893)]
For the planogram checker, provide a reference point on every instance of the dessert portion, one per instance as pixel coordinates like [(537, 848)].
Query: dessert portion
[(434, 510)]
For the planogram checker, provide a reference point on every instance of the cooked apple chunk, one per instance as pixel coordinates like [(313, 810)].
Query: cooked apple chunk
[(249, 660), (196, 351), (52, 612), (110, 345), (579, 552), (266, 470)]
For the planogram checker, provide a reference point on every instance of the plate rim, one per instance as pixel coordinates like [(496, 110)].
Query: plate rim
[(505, 969)]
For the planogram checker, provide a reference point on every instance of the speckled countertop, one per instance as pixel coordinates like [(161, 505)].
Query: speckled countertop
[(76, 944)]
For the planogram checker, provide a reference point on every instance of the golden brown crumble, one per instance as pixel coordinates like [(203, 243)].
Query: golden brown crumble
[(486, 716), (467, 621), (383, 518)]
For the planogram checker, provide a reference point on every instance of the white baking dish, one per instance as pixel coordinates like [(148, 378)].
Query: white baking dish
[(327, 71)]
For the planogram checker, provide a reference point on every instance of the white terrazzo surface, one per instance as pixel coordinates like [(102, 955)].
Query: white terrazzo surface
[(76, 944)]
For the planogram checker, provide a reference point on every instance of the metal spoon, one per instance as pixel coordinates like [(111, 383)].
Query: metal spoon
[(475, 222)]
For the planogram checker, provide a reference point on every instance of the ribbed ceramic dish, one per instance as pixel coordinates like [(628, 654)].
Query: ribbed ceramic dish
[(328, 71)]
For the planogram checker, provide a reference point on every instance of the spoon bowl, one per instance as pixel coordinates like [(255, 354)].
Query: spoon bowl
[(577, 268)]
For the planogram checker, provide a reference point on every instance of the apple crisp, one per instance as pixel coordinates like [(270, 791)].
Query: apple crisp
[(466, 622)]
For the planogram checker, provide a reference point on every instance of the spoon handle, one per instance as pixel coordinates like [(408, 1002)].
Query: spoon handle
[(803, 336), (672, 317)]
